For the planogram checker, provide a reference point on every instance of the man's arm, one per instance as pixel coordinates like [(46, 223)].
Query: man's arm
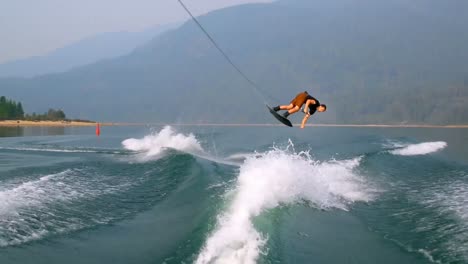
[(308, 102), (306, 107), (304, 120)]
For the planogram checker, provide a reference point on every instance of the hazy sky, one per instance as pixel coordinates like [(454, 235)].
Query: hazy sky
[(29, 28)]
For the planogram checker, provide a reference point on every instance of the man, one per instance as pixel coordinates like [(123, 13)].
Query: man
[(311, 106)]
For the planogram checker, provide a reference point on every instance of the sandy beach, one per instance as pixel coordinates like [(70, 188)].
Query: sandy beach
[(10, 123)]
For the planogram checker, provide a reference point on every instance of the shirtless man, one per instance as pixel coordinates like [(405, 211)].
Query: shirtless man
[(311, 106)]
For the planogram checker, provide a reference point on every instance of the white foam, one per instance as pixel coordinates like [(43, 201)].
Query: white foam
[(458, 200), (22, 202), (240, 156), (427, 254), (17, 221), (153, 145), (26, 193), (449, 201), (268, 180), (420, 149)]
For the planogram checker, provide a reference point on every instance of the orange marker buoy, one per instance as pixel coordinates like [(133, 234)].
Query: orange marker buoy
[(98, 130)]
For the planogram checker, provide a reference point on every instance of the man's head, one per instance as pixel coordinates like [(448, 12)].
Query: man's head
[(322, 108)]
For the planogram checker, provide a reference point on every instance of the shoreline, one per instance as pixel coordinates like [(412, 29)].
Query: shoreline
[(24, 123)]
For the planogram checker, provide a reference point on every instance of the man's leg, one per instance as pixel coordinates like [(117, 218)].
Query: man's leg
[(292, 110), (283, 107)]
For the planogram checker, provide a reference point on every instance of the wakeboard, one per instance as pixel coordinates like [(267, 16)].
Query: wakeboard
[(280, 118)]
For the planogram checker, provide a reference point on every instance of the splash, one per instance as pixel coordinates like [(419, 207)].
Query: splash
[(154, 145), (273, 178), (419, 149)]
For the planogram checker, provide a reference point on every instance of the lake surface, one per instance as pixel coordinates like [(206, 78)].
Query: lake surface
[(188, 194)]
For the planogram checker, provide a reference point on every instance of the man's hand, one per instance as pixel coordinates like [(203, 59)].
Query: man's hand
[(304, 120)]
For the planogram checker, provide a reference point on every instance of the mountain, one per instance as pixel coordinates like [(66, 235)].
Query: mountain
[(370, 61), (86, 51)]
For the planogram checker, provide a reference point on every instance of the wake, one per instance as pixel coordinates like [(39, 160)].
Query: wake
[(265, 181), (273, 178)]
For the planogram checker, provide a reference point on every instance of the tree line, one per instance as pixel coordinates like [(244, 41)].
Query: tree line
[(12, 110)]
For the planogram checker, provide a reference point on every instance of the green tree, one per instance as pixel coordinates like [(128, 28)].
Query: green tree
[(19, 111), (3, 108), (55, 115)]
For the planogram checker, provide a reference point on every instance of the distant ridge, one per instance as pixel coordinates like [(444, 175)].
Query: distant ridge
[(86, 51)]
